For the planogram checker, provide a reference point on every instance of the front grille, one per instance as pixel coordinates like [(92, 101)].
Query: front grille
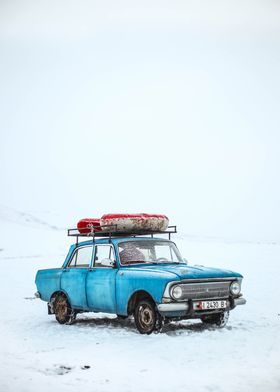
[(205, 290)]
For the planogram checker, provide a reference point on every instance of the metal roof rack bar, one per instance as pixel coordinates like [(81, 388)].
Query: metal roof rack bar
[(113, 232)]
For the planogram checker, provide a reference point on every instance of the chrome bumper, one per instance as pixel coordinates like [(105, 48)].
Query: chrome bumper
[(239, 301), (184, 306), (173, 307)]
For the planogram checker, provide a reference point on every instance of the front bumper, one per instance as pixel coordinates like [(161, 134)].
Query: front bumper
[(239, 301), (173, 307), (180, 309)]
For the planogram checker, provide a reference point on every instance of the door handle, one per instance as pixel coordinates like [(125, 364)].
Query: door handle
[(92, 270), (65, 270)]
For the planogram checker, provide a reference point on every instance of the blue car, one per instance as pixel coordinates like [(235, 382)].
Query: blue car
[(137, 274)]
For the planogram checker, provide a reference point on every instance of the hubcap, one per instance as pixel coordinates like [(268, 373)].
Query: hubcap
[(146, 317)]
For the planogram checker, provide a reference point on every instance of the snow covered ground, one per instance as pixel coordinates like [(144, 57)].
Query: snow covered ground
[(101, 353)]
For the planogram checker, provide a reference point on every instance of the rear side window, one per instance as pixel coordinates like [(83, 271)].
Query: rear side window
[(103, 252), (81, 257)]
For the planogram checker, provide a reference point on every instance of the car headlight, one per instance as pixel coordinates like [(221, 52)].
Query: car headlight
[(176, 292), (235, 288)]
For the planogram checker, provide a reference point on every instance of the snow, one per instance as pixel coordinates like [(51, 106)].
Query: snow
[(102, 353)]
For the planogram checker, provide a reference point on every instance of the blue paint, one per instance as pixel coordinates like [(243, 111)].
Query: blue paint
[(110, 289), (73, 283), (101, 289)]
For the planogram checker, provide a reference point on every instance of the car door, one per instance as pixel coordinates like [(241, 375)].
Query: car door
[(74, 276), (101, 281)]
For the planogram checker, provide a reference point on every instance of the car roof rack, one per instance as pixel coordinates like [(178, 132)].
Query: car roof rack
[(112, 232)]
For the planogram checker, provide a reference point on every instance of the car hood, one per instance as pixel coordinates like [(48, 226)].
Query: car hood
[(187, 272)]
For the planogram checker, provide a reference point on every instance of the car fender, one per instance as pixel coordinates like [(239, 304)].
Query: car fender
[(130, 281)]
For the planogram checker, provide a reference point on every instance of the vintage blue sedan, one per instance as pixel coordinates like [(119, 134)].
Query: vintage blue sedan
[(140, 275)]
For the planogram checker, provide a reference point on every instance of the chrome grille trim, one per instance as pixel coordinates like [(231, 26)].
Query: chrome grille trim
[(186, 282), (205, 290)]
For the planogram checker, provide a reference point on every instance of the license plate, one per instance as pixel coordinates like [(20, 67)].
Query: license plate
[(208, 305)]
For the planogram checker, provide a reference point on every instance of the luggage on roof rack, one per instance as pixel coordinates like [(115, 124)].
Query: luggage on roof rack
[(87, 224), (123, 225), (134, 222)]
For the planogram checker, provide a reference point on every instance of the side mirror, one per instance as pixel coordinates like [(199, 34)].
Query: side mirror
[(185, 260), (107, 263)]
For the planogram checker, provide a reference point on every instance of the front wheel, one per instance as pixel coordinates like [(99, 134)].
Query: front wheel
[(146, 317), (218, 320)]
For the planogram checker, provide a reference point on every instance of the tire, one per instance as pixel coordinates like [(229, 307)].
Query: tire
[(219, 320), (146, 318), (62, 309)]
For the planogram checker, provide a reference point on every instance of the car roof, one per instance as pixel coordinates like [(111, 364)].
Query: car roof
[(117, 240)]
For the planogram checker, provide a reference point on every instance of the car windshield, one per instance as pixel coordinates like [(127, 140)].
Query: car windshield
[(151, 251)]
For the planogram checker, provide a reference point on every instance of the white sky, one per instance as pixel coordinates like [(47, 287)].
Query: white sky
[(147, 106)]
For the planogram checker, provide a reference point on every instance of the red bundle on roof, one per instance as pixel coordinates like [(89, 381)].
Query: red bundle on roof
[(89, 225)]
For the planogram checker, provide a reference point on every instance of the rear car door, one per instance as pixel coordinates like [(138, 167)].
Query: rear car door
[(101, 281), (74, 276)]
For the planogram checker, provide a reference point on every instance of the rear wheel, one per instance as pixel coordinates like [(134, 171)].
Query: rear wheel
[(218, 320), (146, 317), (62, 309)]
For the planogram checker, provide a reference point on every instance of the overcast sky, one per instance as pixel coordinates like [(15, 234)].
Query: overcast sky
[(143, 106)]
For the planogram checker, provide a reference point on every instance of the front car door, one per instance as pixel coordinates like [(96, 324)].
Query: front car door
[(74, 276), (101, 281)]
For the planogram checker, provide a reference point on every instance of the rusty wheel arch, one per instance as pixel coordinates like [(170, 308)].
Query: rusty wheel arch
[(135, 298), (53, 296), (59, 292)]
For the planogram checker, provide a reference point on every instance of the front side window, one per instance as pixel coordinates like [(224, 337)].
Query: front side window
[(103, 252), (81, 257), (152, 251)]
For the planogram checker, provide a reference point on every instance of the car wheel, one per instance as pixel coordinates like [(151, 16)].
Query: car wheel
[(219, 320), (146, 317), (62, 309)]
